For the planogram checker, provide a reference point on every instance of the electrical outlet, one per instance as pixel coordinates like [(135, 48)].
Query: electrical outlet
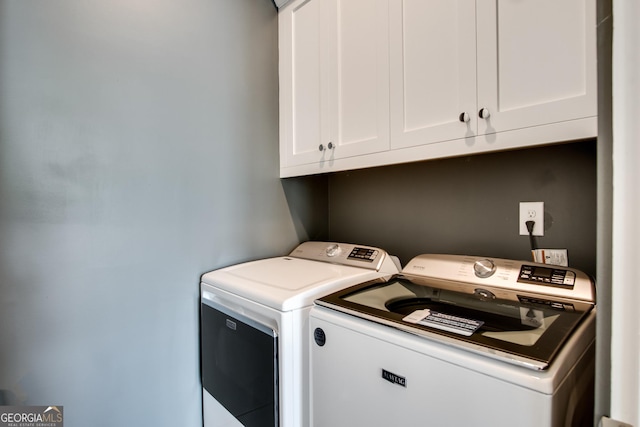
[(532, 211)]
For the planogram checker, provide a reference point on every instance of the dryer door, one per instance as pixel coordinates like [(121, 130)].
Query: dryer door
[(240, 365)]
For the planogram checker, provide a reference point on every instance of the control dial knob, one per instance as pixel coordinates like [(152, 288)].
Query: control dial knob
[(484, 268), (333, 250), (483, 294)]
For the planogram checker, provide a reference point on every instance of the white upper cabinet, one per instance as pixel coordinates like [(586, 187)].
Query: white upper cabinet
[(334, 80), (536, 62), (359, 76), (433, 71), (374, 82), (303, 82)]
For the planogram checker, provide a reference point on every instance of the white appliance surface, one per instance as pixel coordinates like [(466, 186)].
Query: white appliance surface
[(528, 360), (285, 283), (279, 293), (443, 385)]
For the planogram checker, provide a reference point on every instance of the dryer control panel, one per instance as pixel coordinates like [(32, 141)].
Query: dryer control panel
[(364, 254), (347, 254)]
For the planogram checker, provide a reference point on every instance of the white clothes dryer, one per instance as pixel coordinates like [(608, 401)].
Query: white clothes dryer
[(255, 330)]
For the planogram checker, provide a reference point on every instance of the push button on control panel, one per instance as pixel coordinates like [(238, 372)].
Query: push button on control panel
[(319, 337)]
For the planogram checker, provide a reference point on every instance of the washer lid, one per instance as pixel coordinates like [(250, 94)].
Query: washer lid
[(286, 283), (528, 330)]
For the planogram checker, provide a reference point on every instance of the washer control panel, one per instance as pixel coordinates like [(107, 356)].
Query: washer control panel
[(503, 277), (547, 276)]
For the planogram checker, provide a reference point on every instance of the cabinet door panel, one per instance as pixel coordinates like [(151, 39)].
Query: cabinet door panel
[(306, 77), (433, 70), (359, 76), (303, 82), (536, 62)]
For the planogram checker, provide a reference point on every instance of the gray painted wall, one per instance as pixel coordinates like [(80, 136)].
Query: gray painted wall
[(138, 149), (470, 205)]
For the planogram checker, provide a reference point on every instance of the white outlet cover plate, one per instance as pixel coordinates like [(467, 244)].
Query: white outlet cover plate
[(532, 211)]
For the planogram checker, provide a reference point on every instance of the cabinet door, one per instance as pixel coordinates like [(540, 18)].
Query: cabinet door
[(536, 62), (358, 76), (303, 82), (433, 71)]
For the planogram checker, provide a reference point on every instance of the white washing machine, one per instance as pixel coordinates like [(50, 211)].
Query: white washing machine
[(255, 330), (456, 341)]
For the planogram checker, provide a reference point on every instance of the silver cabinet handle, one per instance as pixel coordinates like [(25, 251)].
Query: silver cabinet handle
[(464, 117), (484, 113)]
